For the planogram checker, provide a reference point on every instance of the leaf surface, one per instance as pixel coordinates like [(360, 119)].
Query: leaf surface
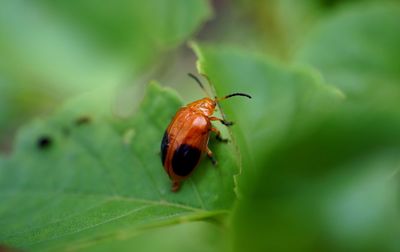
[(82, 175), (281, 97), (357, 50)]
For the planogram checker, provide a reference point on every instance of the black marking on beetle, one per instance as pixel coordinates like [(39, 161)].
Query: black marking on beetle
[(164, 147), (185, 159), (44, 142)]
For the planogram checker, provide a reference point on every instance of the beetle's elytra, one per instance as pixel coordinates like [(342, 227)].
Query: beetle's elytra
[(186, 137)]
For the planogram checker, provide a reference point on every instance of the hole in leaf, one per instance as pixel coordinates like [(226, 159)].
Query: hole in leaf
[(44, 142)]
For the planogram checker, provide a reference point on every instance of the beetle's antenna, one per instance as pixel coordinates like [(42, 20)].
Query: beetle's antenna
[(214, 92), (217, 100), (200, 84), (234, 94), (196, 79)]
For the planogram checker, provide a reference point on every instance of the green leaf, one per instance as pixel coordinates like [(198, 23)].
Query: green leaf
[(191, 236), (282, 97), (82, 176), (333, 189), (323, 170), (357, 50)]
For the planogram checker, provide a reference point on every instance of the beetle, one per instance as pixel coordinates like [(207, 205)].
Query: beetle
[(186, 138)]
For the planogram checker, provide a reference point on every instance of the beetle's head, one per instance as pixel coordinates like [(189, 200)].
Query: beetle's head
[(206, 106)]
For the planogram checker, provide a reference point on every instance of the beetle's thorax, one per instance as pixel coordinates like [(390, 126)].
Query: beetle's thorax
[(206, 106)]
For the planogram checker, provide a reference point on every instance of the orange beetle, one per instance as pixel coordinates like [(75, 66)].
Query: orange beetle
[(186, 137)]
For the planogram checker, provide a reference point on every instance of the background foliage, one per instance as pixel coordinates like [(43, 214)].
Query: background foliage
[(313, 160)]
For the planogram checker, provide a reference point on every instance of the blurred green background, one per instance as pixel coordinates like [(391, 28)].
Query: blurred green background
[(314, 160)]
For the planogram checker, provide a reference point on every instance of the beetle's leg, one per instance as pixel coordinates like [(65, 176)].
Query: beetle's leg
[(175, 186), (218, 135), (226, 123), (211, 157)]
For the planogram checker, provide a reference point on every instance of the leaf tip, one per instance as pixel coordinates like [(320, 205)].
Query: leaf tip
[(199, 54)]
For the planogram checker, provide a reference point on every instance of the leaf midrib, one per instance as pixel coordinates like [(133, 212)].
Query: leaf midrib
[(108, 197)]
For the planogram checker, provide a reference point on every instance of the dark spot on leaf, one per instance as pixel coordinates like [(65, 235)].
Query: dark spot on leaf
[(44, 142), (82, 120)]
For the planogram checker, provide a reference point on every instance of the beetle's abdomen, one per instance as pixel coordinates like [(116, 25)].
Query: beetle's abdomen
[(184, 142), (185, 159)]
